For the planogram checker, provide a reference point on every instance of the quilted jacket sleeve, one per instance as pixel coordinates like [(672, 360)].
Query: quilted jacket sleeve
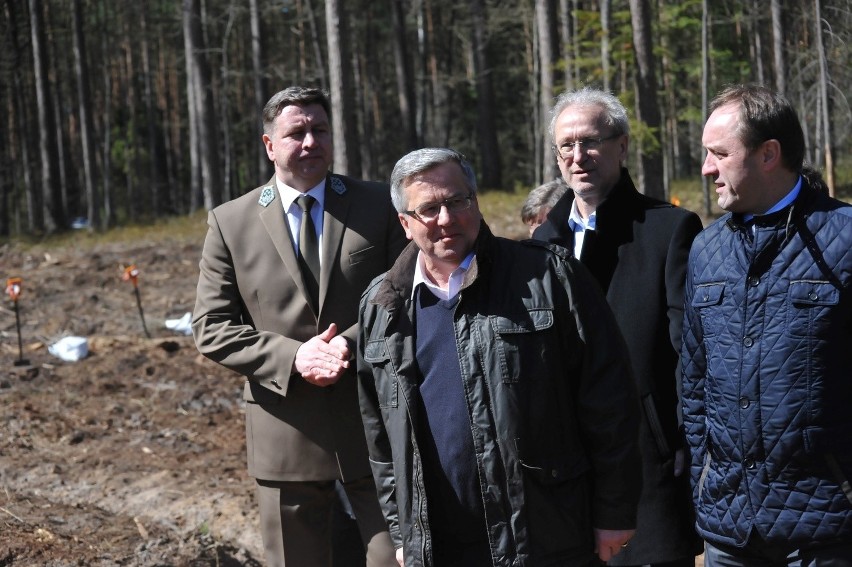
[(693, 369)]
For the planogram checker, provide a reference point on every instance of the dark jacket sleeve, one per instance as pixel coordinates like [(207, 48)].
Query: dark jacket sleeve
[(676, 262), (378, 444)]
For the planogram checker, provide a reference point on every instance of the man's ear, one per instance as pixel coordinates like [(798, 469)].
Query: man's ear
[(770, 154), (267, 144), (404, 220)]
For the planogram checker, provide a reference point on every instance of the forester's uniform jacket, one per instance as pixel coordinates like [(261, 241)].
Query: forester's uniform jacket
[(767, 374), (551, 401)]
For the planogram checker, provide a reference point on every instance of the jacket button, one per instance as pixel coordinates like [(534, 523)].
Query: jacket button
[(753, 281), (744, 402), (705, 298), (748, 341), (813, 296), (749, 463), (553, 473)]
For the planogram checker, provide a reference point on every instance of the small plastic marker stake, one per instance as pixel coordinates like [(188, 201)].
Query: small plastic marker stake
[(131, 274), (13, 290)]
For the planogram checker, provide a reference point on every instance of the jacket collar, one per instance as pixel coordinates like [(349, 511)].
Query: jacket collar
[(618, 202), (785, 217), (396, 287)]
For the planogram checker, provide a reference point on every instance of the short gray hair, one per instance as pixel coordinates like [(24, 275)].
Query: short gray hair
[(419, 161), (615, 113), (542, 197)]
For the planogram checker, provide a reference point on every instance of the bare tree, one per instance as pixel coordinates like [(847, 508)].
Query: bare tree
[(260, 87), (490, 164), (84, 102), (545, 16), (200, 100), (606, 9), (404, 79), (824, 99), (17, 113), (53, 214), (347, 158), (157, 185), (778, 47), (757, 44), (647, 105)]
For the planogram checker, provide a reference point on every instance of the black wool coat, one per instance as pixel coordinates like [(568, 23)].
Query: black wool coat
[(638, 256)]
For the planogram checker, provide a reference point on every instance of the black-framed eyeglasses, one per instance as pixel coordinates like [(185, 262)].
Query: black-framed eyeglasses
[(590, 145), (430, 211)]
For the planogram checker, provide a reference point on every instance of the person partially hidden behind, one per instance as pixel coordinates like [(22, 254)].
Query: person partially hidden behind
[(281, 274), (767, 347), (495, 390), (539, 202), (637, 248)]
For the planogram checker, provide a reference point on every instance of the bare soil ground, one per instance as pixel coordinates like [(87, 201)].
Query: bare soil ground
[(135, 454)]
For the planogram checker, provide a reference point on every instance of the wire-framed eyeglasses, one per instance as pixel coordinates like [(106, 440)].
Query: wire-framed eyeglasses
[(590, 145), (430, 211)]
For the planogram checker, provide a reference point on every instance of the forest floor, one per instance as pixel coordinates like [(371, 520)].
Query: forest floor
[(134, 455)]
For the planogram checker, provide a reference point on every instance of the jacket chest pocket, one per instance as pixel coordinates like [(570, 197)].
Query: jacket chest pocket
[(519, 342), (809, 305), (387, 386), (707, 301)]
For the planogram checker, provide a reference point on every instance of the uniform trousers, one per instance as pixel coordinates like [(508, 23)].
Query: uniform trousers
[(296, 522)]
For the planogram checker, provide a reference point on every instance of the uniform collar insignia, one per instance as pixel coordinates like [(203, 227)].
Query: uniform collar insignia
[(338, 186), (266, 196)]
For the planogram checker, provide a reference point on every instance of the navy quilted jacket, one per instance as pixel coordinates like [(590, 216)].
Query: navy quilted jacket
[(767, 374)]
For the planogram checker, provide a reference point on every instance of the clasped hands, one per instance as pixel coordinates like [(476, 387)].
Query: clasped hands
[(323, 359)]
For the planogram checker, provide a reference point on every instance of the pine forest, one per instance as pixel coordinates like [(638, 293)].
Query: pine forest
[(122, 111)]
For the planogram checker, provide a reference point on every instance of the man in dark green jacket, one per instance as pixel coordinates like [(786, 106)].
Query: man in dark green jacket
[(495, 390)]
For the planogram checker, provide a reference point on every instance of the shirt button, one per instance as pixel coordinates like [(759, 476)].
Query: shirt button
[(744, 402), (748, 341)]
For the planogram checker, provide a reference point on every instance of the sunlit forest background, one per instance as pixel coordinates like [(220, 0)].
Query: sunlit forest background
[(124, 112)]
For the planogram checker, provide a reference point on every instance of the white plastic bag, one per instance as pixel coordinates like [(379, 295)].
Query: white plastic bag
[(182, 325), (70, 349)]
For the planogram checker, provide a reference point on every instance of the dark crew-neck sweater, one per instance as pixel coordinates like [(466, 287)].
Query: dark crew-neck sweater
[(453, 494)]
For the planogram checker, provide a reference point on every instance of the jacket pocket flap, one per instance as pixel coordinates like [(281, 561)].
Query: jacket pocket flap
[(708, 294), (819, 440), (376, 351), (535, 320), (812, 292)]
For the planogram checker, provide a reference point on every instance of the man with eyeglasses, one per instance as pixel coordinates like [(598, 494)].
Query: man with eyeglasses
[(636, 248), (495, 392)]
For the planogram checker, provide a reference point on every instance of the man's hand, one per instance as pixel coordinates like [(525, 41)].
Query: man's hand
[(609, 543), (679, 462), (400, 558), (324, 358)]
